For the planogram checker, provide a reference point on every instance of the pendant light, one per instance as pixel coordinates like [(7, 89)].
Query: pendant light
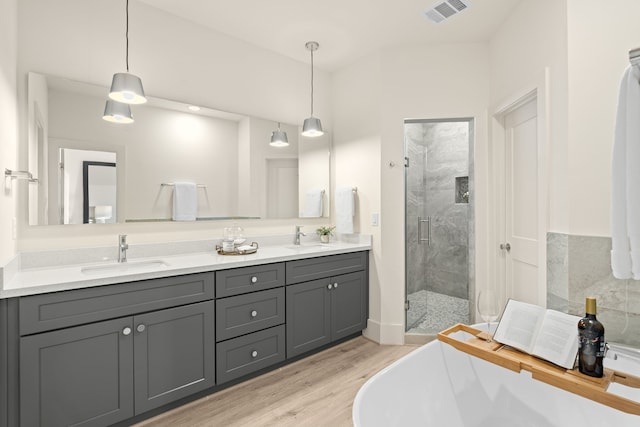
[(279, 138), (312, 126), (127, 87), (117, 112)]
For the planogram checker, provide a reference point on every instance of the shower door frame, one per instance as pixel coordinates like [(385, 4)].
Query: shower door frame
[(470, 218)]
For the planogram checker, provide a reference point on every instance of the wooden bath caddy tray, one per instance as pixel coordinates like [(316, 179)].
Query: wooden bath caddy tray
[(541, 370)]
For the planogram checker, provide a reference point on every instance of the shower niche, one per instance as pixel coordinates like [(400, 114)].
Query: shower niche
[(462, 189)]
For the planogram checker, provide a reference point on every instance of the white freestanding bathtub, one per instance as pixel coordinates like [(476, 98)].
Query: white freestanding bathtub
[(437, 385)]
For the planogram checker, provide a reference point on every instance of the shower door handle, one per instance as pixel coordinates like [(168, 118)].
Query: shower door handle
[(428, 221)]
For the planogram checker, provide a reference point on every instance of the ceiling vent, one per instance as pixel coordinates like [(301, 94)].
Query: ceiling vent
[(445, 10)]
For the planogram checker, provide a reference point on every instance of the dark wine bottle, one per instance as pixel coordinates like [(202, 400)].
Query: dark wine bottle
[(591, 342)]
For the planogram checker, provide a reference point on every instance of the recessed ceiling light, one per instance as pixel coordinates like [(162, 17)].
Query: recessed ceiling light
[(193, 108)]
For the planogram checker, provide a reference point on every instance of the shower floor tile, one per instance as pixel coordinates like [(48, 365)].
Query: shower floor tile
[(432, 312)]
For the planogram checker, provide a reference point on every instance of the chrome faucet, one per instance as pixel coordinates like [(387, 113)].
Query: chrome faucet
[(296, 240), (122, 248)]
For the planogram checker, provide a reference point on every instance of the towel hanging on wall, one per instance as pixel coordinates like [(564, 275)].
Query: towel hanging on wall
[(345, 210), (185, 201), (313, 205), (625, 196)]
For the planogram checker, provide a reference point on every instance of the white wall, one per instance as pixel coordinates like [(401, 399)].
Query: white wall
[(534, 37), (599, 45), (356, 148), (9, 126), (413, 82), (176, 59)]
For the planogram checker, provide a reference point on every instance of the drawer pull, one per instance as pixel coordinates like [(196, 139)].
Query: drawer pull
[(126, 331), (329, 286), (141, 327), (254, 313), (335, 285), (254, 279), (254, 354)]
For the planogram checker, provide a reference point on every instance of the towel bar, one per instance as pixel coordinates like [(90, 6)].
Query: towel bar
[(171, 184), (8, 173)]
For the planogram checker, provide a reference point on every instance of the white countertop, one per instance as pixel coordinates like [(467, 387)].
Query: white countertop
[(33, 281)]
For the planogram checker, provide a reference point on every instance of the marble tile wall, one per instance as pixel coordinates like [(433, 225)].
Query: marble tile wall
[(439, 153), (579, 266)]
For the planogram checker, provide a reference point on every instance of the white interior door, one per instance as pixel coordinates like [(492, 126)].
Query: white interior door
[(520, 247), (282, 188)]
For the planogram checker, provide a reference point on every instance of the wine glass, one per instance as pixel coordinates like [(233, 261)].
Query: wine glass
[(488, 308)]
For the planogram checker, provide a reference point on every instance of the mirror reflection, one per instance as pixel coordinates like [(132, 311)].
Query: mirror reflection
[(226, 157)]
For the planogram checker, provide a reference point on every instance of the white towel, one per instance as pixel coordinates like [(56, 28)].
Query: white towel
[(625, 197), (313, 204), (185, 201), (345, 209)]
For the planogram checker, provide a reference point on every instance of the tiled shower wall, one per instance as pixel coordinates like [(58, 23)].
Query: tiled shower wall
[(579, 266), (442, 147)]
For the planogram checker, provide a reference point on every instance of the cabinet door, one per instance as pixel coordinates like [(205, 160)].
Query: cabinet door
[(348, 304), (79, 376), (308, 316), (174, 354)]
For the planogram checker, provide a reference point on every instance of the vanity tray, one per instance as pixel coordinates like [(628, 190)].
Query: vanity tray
[(239, 250)]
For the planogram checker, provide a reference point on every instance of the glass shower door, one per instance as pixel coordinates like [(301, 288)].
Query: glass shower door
[(437, 223)]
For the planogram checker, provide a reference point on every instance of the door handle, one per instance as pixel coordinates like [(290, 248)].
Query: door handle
[(428, 221), (505, 247)]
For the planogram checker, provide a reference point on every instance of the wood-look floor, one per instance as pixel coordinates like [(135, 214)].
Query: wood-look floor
[(316, 391)]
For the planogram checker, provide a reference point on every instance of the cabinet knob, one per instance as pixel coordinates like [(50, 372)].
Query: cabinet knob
[(254, 279), (126, 331), (335, 285), (329, 286), (254, 354), (141, 327), (254, 313)]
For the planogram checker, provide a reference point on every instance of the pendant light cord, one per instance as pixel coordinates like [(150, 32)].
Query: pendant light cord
[(126, 35), (311, 81)]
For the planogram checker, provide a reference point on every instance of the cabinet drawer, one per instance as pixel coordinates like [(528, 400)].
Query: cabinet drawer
[(69, 308), (243, 314), (249, 353), (249, 279), (317, 268)]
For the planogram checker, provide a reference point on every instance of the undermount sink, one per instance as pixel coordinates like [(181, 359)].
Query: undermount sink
[(305, 246), (124, 267)]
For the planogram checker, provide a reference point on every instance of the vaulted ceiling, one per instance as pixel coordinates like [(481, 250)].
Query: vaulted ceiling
[(345, 29)]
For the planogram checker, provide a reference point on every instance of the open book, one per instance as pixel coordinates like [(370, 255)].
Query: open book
[(547, 334)]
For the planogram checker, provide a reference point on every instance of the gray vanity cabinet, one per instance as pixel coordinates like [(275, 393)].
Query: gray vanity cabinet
[(308, 316), (328, 308), (102, 372), (102, 355), (250, 319), (173, 354), (77, 376)]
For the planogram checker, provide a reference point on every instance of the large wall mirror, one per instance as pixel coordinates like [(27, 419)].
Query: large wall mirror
[(227, 155)]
